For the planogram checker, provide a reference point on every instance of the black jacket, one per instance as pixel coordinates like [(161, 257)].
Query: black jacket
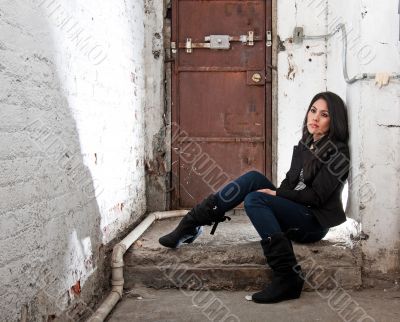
[(325, 171)]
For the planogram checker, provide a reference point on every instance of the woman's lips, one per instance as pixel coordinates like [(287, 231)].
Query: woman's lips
[(314, 126)]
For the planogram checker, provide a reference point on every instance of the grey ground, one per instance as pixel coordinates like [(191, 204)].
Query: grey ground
[(145, 304)]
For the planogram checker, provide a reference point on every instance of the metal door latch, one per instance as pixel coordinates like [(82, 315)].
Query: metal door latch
[(219, 42), (249, 38), (269, 38)]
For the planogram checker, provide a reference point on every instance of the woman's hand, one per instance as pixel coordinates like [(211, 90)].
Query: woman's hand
[(268, 191)]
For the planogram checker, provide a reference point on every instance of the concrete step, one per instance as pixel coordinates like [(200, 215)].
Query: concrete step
[(232, 259)]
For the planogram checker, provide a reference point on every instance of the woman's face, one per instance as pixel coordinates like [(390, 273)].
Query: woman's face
[(318, 119)]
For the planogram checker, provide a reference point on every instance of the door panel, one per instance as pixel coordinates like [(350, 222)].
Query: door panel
[(202, 18), (221, 109), (204, 175), (211, 110)]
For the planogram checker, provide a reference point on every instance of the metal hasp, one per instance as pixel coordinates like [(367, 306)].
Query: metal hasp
[(269, 38), (219, 42), (250, 38), (189, 45)]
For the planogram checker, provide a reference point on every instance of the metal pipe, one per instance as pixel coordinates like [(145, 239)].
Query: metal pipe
[(344, 60), (327, 36), (117, 262), (358, 77)]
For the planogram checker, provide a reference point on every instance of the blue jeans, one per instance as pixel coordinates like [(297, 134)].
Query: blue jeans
[(269, 214)]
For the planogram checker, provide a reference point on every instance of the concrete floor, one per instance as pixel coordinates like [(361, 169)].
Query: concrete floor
[(145, 304)]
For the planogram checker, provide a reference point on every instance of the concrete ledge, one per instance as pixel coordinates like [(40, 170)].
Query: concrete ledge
[(233, 259)]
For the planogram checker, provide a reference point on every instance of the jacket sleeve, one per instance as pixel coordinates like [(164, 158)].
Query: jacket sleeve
[(333, 173), (286, 183)]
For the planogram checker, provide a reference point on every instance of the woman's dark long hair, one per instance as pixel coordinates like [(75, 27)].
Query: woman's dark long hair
[(338, 126)]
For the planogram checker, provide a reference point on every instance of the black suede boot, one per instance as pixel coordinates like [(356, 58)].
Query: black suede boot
[(287, 282), (190, 227)]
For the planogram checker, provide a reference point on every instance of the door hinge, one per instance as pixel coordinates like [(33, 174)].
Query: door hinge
[(269, 38), (173, 47)]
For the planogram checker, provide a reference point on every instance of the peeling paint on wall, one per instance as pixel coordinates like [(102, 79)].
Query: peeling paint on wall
[(156, 166), (292, 69), (155, 159)]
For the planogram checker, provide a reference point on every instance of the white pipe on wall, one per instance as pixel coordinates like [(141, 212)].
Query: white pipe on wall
[(117, 262)]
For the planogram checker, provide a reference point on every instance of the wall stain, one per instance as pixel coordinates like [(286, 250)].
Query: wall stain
[(157, 165), (292, 69)]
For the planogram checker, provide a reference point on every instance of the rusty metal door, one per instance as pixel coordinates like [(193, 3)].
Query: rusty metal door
[(221, 94)]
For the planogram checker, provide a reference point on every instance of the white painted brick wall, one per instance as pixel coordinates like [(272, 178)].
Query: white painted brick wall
[(298, 78), (373, 32), (374, 115), (72, 117)]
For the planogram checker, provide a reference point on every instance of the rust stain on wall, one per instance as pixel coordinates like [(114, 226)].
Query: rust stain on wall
[(76, 289)]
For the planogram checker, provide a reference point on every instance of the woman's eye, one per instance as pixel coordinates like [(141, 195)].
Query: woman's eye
[(325, 115)]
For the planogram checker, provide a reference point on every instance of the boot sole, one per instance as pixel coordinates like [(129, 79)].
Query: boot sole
[(295, 294), (277, 300), (187, 239)]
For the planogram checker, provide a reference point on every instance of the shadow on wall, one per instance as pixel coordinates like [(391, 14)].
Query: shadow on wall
[(50, 235)]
